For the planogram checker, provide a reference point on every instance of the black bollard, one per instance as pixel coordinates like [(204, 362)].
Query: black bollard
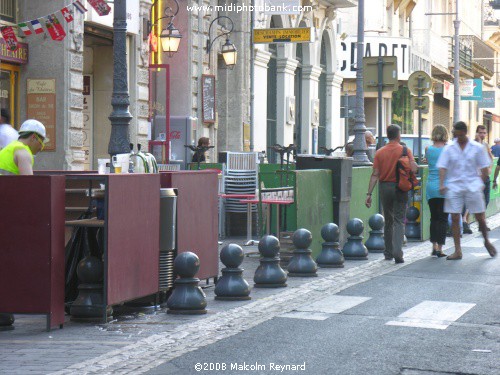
[(412, 229), (269, 274), (375, 242), (6, 322), (330, 256), (232, 286), (354, 248), (302, 264), (187, 297), (89, 305)]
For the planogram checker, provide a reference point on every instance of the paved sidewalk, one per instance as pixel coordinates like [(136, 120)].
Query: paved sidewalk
[(137, 343)]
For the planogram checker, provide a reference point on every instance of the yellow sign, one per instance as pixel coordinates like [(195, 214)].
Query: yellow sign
[(296, 35)]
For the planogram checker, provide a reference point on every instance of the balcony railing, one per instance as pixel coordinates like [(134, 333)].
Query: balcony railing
[(8, 10), (465, 52), (430, 44)]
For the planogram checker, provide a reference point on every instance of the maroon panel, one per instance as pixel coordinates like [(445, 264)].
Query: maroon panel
[(133, 236), (58, 251), (32, 251), (197, 216)]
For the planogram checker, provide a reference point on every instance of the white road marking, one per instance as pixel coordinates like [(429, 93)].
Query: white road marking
[(481, 255), (425, 313), (333, 304), (305, 315), (478, 242)]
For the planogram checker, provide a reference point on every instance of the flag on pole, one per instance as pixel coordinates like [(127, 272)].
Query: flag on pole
[(37, 26), (54, 27), (10, 37), (79, 6), (100, 6), (24, 28), (67, 14)]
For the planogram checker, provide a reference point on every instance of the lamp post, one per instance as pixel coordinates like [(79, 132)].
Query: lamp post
[(229, 52), (360, 157), (456, 67), (170, 36), (120, 116)]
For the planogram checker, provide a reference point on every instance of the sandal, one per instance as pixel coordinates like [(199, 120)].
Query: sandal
[(440, 254)]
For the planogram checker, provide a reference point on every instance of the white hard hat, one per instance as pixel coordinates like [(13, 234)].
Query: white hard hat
[(33, 126)]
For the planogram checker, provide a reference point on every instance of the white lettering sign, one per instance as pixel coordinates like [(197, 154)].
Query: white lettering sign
[(375, 46)]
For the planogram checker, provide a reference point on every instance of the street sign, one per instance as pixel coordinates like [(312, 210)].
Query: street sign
[(389, 73), (488, 100), (471, 89), (294, 35), (419, 83), (421, 103)]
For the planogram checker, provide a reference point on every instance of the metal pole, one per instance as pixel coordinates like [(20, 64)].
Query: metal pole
[(120, 116), (360, 157), (346, 118), (380, 78), (419, 101), (456, 67), (252, 77)]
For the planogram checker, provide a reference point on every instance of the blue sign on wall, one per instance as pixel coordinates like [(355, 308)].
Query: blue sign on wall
[(471, 89), (488, 100)]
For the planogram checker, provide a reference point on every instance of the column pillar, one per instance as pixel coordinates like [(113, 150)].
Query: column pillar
[(335, 131), (285, 68), (310, 79), (261, 60)]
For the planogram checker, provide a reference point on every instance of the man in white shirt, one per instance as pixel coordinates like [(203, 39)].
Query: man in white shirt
[(7, 132), (459, 164)]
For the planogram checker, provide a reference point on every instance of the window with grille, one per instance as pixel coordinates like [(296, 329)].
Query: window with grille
[(8, 10)]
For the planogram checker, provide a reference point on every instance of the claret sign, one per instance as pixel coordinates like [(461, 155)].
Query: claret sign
[(375, 46)]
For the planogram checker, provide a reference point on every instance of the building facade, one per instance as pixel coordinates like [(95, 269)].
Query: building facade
[(67, 83)]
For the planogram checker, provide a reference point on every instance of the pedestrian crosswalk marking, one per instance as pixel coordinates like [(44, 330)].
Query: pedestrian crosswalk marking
[(432, 314), (481, 255), (322, 309), (305, 315)]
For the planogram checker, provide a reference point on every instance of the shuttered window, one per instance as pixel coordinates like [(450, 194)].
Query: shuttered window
[(8, 10)]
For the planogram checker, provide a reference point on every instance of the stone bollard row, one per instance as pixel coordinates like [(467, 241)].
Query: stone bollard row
[(354, 248), (302, 264), (269, 274), (232, 286), (187, 297), (375, 242), (330, 256)]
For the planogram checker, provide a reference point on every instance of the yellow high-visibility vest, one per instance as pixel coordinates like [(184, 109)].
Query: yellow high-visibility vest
[(7, 164)]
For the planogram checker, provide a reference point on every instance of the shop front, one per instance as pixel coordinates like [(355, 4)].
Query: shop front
[(11, 63)]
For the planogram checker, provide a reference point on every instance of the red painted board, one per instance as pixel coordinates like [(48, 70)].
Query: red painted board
[(133, 236), (197, 216), (32, 245)]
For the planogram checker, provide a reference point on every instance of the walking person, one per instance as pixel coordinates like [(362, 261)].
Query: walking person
[(435, 200), (480, 138), (459, 164), (393, 200), (495, 149)]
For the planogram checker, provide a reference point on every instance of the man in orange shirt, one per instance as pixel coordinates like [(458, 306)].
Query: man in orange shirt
[(393, 200)]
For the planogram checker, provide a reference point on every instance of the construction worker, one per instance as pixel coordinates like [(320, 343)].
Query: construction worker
[(17, 157)]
